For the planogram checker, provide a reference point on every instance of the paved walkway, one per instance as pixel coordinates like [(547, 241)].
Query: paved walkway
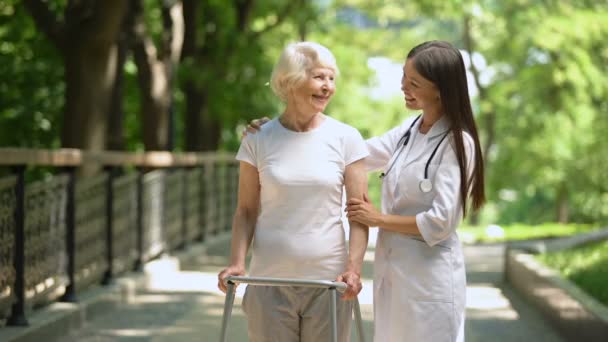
[(183, 304)]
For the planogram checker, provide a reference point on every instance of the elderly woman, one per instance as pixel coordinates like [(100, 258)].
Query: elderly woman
[(290, 193)]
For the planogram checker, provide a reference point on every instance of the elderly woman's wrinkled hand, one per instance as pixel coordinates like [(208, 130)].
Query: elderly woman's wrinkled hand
[(353, 281), (228, 271)]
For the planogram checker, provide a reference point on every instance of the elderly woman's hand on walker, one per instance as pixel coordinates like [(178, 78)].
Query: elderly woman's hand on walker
[(232, 270)]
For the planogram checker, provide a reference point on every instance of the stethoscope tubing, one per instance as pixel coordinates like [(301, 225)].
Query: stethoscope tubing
[(406, 139)]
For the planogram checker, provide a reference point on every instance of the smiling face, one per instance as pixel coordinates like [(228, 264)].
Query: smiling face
[(315, 92), (419, 92)]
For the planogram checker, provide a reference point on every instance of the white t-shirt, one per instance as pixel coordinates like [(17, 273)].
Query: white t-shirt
[(299, 232)]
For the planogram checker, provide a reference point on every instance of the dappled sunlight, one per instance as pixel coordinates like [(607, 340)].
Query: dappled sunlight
[(129, 332), (486, 297), (504, 314)]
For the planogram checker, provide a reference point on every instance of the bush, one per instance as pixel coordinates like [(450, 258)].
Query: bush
[(586, 266)]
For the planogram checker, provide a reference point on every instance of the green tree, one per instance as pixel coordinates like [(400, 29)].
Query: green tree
[(86, 39), (225, 66)]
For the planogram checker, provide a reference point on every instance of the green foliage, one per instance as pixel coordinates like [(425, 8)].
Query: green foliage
[(586, 266), (520, 231), (542, 65), (31, 91), (546, 90)]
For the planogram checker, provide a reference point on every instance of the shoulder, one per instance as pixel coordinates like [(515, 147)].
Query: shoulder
[(467, 141), (265, 131), (341, 128)]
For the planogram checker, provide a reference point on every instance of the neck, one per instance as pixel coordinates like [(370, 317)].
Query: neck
[(300, 122), (428, 120)]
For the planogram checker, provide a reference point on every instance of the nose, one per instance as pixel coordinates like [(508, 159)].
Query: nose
[(327, 87)]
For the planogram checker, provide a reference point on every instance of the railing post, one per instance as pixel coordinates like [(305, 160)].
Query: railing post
[(201, 203), (18, 310), (139, 263), (70, 236), (184, 200), (108, 276)]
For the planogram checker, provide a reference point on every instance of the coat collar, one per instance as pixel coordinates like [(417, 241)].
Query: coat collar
[(440, 127)]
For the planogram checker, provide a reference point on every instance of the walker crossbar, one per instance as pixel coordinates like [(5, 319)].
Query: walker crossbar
[(340, 286), (332, 286)]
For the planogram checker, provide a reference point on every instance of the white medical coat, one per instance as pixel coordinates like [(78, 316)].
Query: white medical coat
[(420, 282)]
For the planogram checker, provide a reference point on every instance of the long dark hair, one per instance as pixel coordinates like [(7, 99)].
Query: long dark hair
[(442, 64)]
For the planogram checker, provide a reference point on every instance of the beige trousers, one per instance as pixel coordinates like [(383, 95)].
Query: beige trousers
[(294, 314)]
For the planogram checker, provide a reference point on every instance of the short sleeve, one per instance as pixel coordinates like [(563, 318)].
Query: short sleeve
[(248, 151), (354, 146)]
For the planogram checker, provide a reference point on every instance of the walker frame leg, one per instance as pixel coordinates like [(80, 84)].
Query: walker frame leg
[(332, 314), (228, 303), (358, 321)]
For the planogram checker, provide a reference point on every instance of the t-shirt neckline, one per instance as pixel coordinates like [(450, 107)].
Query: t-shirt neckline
[(314, 130)]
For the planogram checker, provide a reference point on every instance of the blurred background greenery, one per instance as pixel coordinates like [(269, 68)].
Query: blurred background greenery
[(187, 75)]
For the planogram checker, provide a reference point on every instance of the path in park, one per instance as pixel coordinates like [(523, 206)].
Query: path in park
[(184, 304)]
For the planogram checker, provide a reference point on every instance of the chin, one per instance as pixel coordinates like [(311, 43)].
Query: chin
[(412, 107), (320, 108)]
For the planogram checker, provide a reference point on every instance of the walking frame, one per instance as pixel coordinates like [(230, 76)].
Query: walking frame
[(332, 286)]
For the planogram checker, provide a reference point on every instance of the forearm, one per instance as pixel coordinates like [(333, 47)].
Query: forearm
[(243, 227), (357, 245), (356, 186), (400, 224)]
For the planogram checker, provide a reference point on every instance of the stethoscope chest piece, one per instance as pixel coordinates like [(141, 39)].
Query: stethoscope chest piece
[(426, 185)]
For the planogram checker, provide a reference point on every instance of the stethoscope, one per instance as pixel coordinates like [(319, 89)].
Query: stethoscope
[(425, 185)]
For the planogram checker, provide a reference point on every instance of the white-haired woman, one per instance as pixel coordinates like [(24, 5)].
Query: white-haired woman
[(290, 193)]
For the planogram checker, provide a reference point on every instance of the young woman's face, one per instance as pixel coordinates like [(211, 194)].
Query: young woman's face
[(316, 91), (420, 93)]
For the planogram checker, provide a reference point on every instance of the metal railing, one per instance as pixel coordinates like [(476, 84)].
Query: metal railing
[(62, 235)]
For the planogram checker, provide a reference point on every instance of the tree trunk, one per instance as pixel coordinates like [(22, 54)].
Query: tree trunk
[(213, 130), (116, 115), (90, 71), (155, 73), (192, 120)]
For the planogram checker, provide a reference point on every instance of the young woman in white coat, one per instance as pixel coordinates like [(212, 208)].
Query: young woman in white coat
[(432, 167)]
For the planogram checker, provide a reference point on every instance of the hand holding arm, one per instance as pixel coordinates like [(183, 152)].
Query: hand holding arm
[(364, 212)]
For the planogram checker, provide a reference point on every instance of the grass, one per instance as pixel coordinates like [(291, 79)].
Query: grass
[(586, 266), (522, 232)]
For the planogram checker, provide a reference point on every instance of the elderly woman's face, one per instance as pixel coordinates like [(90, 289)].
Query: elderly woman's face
[(316, 91)]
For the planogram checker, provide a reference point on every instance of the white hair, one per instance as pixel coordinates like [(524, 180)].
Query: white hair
[(294, 64)]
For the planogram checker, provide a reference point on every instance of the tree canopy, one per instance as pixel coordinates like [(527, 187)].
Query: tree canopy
[(187, 74)]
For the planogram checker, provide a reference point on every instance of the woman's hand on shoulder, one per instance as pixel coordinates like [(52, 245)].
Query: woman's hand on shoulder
[(254, 126), (231, 270)]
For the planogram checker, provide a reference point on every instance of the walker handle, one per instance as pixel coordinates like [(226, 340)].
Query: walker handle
[(338, 285)]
